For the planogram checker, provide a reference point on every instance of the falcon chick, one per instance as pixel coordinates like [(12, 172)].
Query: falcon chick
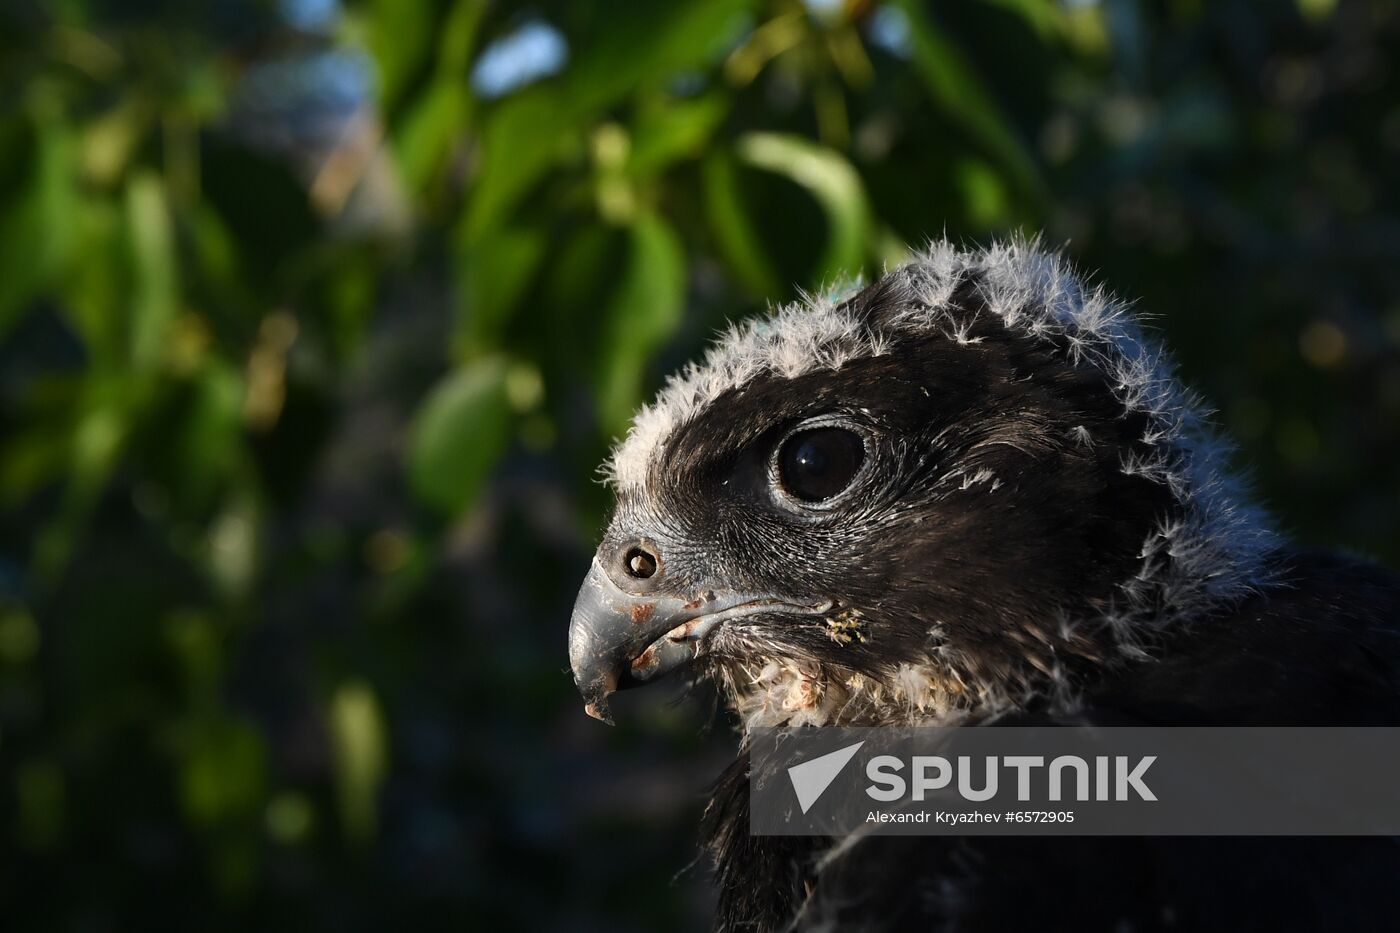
[(971, 490)]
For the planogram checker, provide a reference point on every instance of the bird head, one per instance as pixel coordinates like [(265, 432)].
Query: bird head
[(969, 486)]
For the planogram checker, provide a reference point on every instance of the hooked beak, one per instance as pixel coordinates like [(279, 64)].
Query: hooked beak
[(618, 640)]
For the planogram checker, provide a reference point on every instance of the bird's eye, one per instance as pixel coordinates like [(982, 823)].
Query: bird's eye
[(817, 464)]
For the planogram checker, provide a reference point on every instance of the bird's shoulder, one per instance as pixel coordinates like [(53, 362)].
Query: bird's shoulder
[(1319, 646)]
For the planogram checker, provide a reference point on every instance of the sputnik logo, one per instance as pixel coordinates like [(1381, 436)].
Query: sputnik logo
[(811, 778)]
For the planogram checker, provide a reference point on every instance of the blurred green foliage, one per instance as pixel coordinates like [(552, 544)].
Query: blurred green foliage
[(315, 322)]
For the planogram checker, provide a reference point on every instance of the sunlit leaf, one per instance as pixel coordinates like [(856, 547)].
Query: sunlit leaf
[(360, 743), (232, 554), (109, 140), (641, 315), (458, 435), (154, 286), (1317, 9), (832, 181)]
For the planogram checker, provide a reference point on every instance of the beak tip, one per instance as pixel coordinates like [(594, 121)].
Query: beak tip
[(598, 709)]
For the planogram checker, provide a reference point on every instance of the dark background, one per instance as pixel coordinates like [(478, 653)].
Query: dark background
[(316, 319)]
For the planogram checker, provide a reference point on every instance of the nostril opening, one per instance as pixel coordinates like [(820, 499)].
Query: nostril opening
[(640, 563)]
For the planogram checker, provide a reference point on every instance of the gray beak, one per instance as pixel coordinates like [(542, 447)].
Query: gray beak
[(619, 640)]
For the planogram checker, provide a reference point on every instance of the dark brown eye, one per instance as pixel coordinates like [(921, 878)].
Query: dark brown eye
[(817, 464)]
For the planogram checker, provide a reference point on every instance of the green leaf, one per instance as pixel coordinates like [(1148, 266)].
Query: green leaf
[(492, 277), (736, 237), (154, 289), (94, 289), (433, 123), (399, 34), (459, 434), (835, 185), (110, 140), (427, 132), (520, 141), (655, 40), (97, 441), (231, 558), (37, 228), (214, 251), (642, 313), (206, 446), (19, 635), (223, 775), (30, 459), (457, 37), (676, 130), (984, 195)]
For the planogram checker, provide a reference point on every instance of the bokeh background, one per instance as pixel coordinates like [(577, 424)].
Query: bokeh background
[(316, 318)]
